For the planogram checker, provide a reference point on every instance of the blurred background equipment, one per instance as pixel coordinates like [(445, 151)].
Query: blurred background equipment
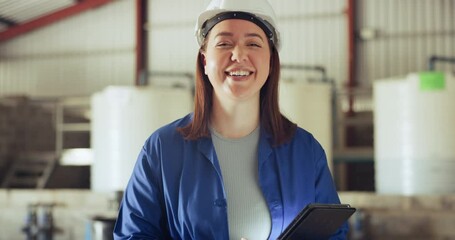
[(123, 118), (414, 134), (309, 103), (39, 222), (101, 228)]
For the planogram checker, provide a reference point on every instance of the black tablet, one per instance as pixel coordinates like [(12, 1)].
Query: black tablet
[(317, 221)]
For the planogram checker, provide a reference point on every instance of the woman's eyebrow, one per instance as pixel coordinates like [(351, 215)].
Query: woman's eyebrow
[(224, 34), (254, 35), (230, 34)]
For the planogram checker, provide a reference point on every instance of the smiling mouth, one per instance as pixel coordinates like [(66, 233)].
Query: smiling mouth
[(239, 73)]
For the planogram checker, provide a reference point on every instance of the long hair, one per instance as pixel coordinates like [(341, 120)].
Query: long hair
[(281, 129)]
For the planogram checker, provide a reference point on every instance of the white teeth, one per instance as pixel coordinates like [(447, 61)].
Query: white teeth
[(239, 73)]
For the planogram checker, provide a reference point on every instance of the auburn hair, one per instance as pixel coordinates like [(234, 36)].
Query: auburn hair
[(277, 125)]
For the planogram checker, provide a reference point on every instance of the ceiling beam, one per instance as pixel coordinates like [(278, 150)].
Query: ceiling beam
[(50, 18), (7, 22)]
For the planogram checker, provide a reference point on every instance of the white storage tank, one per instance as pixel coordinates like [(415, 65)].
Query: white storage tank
[(414, 128), (122, 119), (310, 106)]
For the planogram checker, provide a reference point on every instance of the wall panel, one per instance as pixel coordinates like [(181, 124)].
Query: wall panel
[(407, 34), (313, 33), (172, 44)]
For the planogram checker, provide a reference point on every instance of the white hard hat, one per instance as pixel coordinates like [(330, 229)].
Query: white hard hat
[(259, 12)]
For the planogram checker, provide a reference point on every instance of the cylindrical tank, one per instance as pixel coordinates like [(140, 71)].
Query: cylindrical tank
[(122, 119), (101, 228), (310, 106), (414, 128)]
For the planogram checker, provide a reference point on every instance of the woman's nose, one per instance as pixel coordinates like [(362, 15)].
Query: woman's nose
[(238, 54)]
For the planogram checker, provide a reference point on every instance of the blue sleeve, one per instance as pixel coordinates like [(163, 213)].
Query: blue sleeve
[(326, 192), (141, 214)]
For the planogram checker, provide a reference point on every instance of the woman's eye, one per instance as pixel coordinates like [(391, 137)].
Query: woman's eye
[(223, 44), (254, 45)]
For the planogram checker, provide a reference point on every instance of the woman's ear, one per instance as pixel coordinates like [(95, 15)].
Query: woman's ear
[(203, 57), (203, 61)]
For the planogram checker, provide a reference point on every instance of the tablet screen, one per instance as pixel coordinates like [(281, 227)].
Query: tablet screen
[(317, 221)]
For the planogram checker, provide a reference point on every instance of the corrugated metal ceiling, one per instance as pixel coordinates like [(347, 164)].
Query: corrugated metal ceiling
[(21, 16), (15, 12)]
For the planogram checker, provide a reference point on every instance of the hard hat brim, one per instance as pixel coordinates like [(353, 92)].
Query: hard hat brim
[(208, 19)]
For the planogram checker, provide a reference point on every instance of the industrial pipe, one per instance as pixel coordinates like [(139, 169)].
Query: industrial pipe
[(433, 59), (316, 68)]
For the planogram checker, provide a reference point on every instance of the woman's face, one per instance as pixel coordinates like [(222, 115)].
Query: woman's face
[(237, 59)]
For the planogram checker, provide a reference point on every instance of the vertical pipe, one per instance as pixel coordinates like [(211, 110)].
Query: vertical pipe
[(349, 129), (58, 129), (141, 43), (351, 53)]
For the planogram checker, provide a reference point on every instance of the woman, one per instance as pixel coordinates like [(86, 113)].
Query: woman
[(235, 168)]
